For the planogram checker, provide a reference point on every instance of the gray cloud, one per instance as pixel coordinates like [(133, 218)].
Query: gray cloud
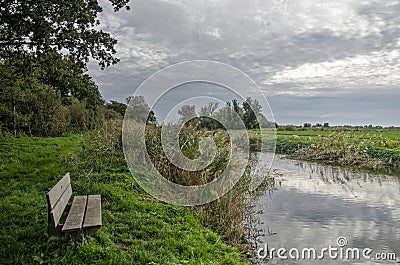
[(292, 49)]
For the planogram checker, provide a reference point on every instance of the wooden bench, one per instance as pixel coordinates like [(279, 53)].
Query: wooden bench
[(83, 216)]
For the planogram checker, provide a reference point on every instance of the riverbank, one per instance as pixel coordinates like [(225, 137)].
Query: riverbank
[(364, 149), (136, 228)]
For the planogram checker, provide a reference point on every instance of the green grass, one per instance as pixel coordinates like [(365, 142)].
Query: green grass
[(136, 229), (365, 148)]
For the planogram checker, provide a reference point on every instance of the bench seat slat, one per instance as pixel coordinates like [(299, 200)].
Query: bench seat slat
[(93, 212), (76, 214)]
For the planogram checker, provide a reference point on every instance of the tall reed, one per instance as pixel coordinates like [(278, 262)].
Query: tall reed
[(102, 151)]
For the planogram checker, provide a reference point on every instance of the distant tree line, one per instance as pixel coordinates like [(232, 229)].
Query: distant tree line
[(326, 125), (211, 117)]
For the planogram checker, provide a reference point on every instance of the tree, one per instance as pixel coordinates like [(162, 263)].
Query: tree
[(289, 127), (264, 122), (326, 125), (66, 27), (206, 113), (252, 109), (28, 106), (21, 106), (67, 77), (209, 109), (187, 114), (56, 72), (117, 107), (151, 119), (104, 113), (237, 108), (307, 125), (45, 45), (139, 109), (78, 115)]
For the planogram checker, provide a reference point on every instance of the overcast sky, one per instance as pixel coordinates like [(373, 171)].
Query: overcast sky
[(315, 61)]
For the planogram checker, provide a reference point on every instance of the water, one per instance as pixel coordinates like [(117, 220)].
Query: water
[(315, 205)]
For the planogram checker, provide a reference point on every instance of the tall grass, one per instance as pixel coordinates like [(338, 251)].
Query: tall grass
[(102, 149), (225, 215)]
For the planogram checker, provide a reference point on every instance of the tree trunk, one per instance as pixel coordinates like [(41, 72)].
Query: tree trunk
[(14, 118)]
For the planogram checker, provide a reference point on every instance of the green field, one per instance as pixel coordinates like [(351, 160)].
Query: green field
[(365, 148), (366, 134), (136, 229)]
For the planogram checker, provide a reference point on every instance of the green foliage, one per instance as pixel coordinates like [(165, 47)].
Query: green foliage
[(117, 107), (237, 108), (139, 108), (136, 228), (104, 113), (251, 109), (188, 114), (50, 117), (225, 215), (287, 146), (65, 76), (78, 114), (388, 156), (44, 26), (101, 150), (206, 112), (287, 128), (48, 99), (189, 138), (250, 114), (30, 106), (45, 47)]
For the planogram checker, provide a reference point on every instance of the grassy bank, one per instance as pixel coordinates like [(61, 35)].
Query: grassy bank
[(136, 229), (365, 149)]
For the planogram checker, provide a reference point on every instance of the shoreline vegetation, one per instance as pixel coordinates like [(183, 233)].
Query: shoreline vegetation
[(371, 150)]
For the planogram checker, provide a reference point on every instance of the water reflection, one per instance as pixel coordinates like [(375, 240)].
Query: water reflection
[(317, 204)]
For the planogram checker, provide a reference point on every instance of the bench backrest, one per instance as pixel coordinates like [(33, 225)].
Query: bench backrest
[(57, 199)]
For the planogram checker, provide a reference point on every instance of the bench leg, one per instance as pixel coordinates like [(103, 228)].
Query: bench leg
[(53, 230), (91, 231), (75, 235)]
